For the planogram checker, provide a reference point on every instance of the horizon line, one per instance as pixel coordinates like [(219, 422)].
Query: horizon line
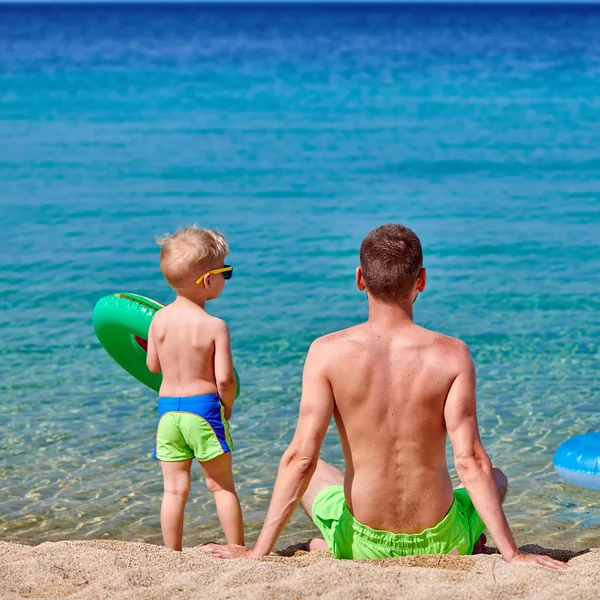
[(524, 3)]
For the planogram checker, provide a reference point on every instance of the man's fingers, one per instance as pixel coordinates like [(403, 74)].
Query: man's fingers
[(541, 560), (555, 564), (546, 561), (231, 551), (213, 549)]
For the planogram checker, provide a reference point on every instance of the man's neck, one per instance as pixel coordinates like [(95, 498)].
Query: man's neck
[(390, 314)]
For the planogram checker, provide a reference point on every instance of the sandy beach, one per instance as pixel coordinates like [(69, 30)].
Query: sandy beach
[(124, 570)]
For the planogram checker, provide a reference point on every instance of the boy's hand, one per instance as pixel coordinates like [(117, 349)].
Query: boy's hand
[(231, 551)]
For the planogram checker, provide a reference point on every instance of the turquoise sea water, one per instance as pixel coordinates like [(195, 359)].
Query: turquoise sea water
[(294, 130)]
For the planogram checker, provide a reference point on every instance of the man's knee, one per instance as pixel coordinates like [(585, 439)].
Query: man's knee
[(501, 482), (308, 498), (324, 476)]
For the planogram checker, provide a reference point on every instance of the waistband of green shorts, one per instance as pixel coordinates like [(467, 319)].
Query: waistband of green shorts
[(443, 530)]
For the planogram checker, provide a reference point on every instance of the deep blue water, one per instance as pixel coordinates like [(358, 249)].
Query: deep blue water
[(294, 130)]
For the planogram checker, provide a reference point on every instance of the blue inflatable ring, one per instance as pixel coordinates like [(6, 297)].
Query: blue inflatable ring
[(578, 460)]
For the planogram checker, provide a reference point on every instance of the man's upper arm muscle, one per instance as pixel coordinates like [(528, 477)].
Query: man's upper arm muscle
[(460, 412), (316, 404)]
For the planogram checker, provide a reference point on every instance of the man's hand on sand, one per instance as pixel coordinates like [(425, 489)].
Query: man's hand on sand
[(537, 559), (231, 551)]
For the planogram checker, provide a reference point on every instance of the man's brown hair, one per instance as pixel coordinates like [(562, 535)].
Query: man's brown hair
[(391, 258)]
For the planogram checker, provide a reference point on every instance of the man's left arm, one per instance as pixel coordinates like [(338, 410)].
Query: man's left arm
[(298, 462)]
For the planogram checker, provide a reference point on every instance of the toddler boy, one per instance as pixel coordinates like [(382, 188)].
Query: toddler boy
[(193, 351)]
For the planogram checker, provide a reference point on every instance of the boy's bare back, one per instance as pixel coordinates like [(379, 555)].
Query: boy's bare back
[(186, 339)]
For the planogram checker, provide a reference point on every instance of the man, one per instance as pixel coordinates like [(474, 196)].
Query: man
[(395, 390)]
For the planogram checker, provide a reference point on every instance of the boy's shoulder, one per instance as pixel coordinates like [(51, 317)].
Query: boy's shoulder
[(209, 322), (190, 314), (215, 322)]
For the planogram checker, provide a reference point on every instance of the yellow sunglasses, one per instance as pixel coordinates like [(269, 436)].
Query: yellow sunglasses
[(225, 270)]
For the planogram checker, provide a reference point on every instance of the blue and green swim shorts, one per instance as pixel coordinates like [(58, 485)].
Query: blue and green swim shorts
[(458, 531), (191, 427)]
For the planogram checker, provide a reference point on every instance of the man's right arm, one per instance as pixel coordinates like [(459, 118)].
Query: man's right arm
[(299, 461), (474, 466)]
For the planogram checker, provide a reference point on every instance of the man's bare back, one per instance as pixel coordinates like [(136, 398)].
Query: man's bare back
[(389, 386)]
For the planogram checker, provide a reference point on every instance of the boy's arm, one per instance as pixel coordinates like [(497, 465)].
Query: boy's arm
[(474, 467), (224, 372), (152, 361), (298, 462)]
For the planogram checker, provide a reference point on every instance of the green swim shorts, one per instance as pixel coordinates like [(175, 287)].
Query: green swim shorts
[(347, 538), (191, 427)]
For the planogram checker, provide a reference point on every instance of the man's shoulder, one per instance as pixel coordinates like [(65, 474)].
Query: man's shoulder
[(450, 349), (342, 335), (337, 340), (447, 342)]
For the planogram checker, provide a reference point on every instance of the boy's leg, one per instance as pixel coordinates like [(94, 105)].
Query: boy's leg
[(177, 481), (219, 481)]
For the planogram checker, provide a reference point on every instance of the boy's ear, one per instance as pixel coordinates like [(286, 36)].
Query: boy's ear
[(206, 282), (360, 280), (422, 280)]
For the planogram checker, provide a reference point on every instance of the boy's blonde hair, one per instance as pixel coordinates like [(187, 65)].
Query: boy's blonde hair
[(189, 252)]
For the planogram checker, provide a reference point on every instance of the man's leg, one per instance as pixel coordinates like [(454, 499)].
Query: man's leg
[(499, 478), (501, 482), (324, 476)]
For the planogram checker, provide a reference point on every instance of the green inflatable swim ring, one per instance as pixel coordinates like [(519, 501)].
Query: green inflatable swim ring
[(121, 322)]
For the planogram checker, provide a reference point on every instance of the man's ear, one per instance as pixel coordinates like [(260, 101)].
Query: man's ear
[(360, 280), (422, 280)]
